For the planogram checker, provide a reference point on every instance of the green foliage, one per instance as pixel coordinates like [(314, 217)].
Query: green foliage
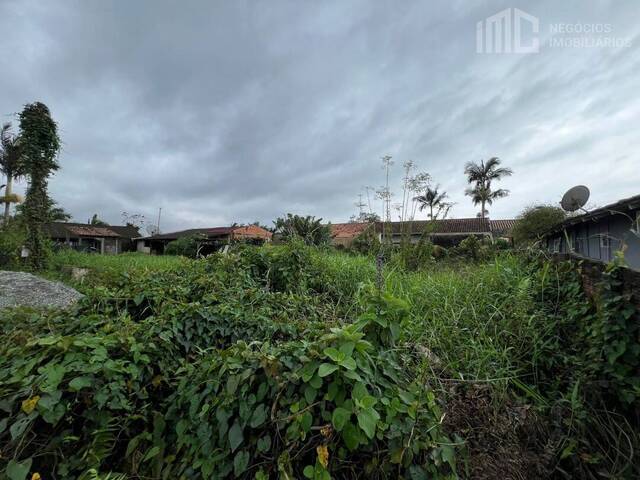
[(283, 361), (534, 221), (227, 366), (470, 247), (481, 176), (309, 229), (39, 143), (187, 246), (367, 243), (12, 237)]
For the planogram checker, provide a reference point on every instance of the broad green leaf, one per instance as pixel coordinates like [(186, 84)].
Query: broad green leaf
[(308, 471), (347, 348), (306, 421), (326, 369), (240, 462), (235, 436), (310, 394), (79, 383), (259, 416), (367, 420), (348, 363), (151, 453), (232, 384), (368, 401), (18, 470), (339, 418), (316, 382), (264, 443), (359, 391), (18, 427), (334, 354), (352, 375), (351, 436), (53, 376)]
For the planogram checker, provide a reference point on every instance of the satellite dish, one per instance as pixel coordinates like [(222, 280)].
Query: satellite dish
[(575, 198)]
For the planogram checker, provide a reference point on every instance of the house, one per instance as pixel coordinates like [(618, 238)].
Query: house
[(343, 234), (213, 237), (502, 229), (446, 232), (600, 233), (106, 239)]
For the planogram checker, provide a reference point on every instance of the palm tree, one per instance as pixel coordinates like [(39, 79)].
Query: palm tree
[(482, 175), (10, 164), (432, 198), (485, 196)]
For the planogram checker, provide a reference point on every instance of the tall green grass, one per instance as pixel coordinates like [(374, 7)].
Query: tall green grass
[(476, 318), (120, 263)]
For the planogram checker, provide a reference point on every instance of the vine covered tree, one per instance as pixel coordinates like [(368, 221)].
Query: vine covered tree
[(481, 175), (40, 144), (10, 165)]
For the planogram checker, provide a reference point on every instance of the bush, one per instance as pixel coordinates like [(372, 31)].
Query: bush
[(12, 238), (367, 243), (309, 229), (188, 246), (534, 221)]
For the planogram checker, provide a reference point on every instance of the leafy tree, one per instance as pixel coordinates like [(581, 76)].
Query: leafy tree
[(10, 165), (97, 222), (481, 176), (365, 217), (432, 198), (535, 220), (58, 214), (40, 144), (309, 229)]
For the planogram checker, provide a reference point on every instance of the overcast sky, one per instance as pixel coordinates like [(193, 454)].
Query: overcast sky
[(240, 111)]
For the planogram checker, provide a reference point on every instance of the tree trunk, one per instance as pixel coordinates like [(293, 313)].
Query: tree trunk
[(431, 212), (482, 211), (7, 203)]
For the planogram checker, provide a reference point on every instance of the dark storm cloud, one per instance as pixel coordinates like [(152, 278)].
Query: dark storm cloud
[(241, 111)]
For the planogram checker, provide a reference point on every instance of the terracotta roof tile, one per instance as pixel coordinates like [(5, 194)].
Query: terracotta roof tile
[(347, 230)]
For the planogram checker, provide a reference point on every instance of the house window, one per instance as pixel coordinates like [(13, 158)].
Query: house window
[(555, 248), (605, 241)]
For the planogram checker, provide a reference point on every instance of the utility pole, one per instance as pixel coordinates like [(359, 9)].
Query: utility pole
[(159, 213)]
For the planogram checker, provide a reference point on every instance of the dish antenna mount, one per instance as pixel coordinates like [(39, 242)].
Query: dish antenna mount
[(575, 198)]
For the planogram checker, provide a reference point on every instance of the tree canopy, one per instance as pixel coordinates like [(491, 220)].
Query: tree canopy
[(534, 221)]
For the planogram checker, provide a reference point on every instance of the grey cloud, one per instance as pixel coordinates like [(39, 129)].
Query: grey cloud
[(241, 111)]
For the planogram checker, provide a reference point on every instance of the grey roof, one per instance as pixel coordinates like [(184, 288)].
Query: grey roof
[(621, 206), (70, 229)]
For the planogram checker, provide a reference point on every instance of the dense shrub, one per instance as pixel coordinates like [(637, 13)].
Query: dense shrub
[(187, 246), (367, 243), (12, 238), (309, 229), (534, 221)]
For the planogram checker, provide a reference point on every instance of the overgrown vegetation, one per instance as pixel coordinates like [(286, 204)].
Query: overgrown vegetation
[(187, 246), (535, 221), (309, 229), (39, 145), (286, 362)]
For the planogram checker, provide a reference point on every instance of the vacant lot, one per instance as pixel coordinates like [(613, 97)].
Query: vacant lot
[(288, 362)]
